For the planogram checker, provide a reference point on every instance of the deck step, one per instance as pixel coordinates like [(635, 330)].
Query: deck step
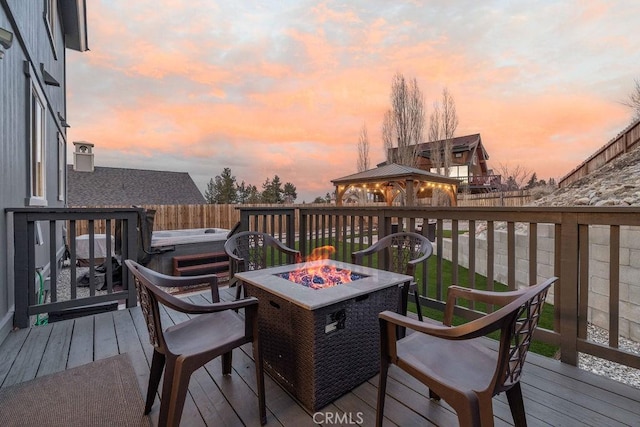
[(204, 263)]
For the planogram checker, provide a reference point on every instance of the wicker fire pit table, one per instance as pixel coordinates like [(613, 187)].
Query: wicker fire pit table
[(320, 342)]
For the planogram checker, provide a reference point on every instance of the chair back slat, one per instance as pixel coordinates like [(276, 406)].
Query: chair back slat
[(404, 248), (517, 334), (150, 308), (252, 249)]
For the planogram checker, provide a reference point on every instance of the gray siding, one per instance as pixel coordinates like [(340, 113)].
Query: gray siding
[(32, 44)]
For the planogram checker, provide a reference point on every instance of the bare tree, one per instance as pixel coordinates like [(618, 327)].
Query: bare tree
[(404, 122), (634, 100), (443, 123), (513, 177), (387, 137), (442, 128), (435, 138), (449, 123), (363, 149)]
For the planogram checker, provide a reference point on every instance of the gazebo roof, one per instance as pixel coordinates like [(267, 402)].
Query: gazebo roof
[(393, 172)]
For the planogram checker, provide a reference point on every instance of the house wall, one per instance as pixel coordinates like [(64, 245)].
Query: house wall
[(31, 45)]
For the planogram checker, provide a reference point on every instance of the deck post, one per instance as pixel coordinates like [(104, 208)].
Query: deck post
[(569, 262)]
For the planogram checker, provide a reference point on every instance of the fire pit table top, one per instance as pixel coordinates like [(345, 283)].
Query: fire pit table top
[(312, 299)]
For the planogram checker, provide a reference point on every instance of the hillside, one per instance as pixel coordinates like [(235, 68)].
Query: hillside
[(614, 184)]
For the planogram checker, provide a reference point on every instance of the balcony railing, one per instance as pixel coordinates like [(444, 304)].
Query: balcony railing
[(593, 251), (44, 237)]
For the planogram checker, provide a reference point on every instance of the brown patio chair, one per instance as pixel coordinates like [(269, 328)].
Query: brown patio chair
[(402, 252), (454, 362), (252, 250), (187, 346)]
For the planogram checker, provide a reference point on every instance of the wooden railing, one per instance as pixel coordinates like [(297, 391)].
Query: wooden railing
[(40, 240), (591, 250)]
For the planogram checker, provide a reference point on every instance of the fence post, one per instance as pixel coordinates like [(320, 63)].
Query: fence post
[(302, 232), (132, 253), (569, 262), (21, 270)]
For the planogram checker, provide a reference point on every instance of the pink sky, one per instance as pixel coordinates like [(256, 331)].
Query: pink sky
[(284, 88)]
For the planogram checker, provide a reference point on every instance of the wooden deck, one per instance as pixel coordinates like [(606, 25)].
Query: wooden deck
[(555, 394)]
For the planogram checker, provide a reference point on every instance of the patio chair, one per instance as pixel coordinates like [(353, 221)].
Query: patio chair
[(454, 362), (251, 250), (402, 252), (187, 346)]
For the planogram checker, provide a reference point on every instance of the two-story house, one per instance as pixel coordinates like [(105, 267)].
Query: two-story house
[(468, 162), (34, 36)]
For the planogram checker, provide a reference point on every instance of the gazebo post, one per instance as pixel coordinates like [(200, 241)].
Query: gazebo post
[(339, 195), (408, 189), (388, 195), (453, 195)]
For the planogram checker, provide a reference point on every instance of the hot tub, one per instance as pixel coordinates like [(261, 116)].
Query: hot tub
[(184, 242)]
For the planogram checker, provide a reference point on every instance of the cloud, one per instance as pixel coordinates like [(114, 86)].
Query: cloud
[(284, 88)]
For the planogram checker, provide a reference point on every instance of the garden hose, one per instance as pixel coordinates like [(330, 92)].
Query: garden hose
[(43, 320)]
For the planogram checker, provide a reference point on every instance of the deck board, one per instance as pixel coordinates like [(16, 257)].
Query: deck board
[(57, 349), (555, 393), (81, 348)]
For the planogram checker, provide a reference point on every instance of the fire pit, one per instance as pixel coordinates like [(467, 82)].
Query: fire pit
[(321, 276), (320, 338)]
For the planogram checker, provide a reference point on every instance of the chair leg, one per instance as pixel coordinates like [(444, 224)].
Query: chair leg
[(516, 404), (468, 410), (257, 357), (485, 406), (179, 388), (382, 390), (157, 365), (167, 385), (226, 363), (238, 289), (418, 308)]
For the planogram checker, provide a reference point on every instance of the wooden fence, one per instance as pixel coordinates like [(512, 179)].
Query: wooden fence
[(624, 142), (179, 217), (511, 199)]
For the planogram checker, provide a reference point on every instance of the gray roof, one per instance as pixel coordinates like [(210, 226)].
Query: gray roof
[(392, 171), (124, 187)]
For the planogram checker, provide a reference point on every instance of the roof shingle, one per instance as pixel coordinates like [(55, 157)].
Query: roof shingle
[(122, 187)]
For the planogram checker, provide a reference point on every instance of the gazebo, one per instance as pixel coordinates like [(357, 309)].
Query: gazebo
[(392, 180)]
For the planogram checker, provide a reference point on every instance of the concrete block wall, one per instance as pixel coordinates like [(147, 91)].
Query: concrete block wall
[(598, 311)]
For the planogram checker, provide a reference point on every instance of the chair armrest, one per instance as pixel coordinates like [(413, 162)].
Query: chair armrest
[(183, 306), (356, 257), (180, 281), (488, 297), (474, 329), (287, 250)]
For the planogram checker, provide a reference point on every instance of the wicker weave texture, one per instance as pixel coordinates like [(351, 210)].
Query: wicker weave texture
[(315, 366)]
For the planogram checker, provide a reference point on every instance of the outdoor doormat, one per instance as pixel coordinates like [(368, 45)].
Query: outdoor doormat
[(101, 393)]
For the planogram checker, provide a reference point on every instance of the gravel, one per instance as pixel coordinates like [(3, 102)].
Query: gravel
[(616, 371)]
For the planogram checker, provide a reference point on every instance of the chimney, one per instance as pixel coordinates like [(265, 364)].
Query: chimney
[(83, 156)]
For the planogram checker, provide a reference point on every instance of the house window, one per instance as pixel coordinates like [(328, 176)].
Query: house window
[(459, 172), (37, 114), (61, 167), (50, 18)]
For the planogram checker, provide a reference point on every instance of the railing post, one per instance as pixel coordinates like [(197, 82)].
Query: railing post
[(302, 232), (244, 220), (132, 253), (569, 262), (21, 270), (291, 228)]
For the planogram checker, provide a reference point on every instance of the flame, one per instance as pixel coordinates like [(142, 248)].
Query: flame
[(323, 252), (318, 275)]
